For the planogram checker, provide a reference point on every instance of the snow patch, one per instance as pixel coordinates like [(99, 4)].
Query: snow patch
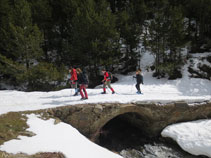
[(193, 137), (155, 90), (52, 137)]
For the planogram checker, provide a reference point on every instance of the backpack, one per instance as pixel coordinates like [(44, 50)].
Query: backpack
[(142, 79), (110, 75), (86, 77)]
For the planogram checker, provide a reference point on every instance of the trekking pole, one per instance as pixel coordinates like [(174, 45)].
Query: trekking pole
[(131, 88), (71, 89)]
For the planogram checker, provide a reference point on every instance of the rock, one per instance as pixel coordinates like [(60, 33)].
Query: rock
[(57, 121), (27, 133), (181, 105), (98, 108)]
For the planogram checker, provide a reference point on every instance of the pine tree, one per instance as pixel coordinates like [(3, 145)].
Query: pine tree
[(94, 38), (198, 13), (166, 38), (175, 41), (42, 17), (5, 19), (129, 23), (9, 68), (26, 37)]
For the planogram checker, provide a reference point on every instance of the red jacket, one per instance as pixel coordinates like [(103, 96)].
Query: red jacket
[(106, 76), (73, 75)]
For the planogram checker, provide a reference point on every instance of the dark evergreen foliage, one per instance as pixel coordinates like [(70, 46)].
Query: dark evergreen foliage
[(40, 39)]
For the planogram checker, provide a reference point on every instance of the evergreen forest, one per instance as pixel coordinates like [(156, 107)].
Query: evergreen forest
[(41, 39)]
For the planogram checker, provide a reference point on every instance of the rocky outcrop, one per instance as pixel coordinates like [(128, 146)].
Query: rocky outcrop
[(150, 117)]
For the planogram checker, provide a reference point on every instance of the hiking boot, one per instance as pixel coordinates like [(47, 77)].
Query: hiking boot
[(82, 98), (139, 92), (103, 93), (113, 92), (75, 94)]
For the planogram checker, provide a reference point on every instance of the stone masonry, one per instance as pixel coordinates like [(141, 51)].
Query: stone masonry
[(152, 117)]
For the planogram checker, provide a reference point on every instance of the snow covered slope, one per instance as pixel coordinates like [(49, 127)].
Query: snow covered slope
[(162, 90), (55, 138)]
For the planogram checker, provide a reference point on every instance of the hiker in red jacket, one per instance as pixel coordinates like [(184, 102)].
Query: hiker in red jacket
[(73, 80), (106, 82)]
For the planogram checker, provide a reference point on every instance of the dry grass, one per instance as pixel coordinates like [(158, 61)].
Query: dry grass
[(11, 125), (38, 155)]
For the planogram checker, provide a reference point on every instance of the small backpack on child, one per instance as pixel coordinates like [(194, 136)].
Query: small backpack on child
[(110, 76)]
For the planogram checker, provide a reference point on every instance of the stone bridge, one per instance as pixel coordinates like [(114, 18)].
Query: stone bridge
[(151, 118)]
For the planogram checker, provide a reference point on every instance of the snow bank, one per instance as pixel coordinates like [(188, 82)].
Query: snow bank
[(55, 138), (193, 137), (155, 90), (163, 91)]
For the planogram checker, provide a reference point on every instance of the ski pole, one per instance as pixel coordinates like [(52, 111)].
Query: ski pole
[(132, 86)]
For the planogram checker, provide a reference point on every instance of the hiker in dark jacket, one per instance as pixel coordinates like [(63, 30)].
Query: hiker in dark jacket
[(139, 80), (106, 82), (83, 84)]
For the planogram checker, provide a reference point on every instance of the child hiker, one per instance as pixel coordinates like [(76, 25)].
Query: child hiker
[(83, 83), (73, 79), (106, 82), (139, 80)]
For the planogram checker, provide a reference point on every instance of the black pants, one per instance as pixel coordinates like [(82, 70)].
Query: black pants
[(138, 87)]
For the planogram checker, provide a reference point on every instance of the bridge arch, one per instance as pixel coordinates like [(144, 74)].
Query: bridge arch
[(89, 119), (134, 115)]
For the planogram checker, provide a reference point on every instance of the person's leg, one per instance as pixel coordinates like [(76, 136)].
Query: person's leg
[(104, 88), (77, 89), (138, 87), (109, 85), (85, 92), (82, 95), (74, 85)]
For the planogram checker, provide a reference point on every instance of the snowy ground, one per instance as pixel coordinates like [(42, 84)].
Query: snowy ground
[(193, 137), (69, 141), (55, 138), (163, 90)]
